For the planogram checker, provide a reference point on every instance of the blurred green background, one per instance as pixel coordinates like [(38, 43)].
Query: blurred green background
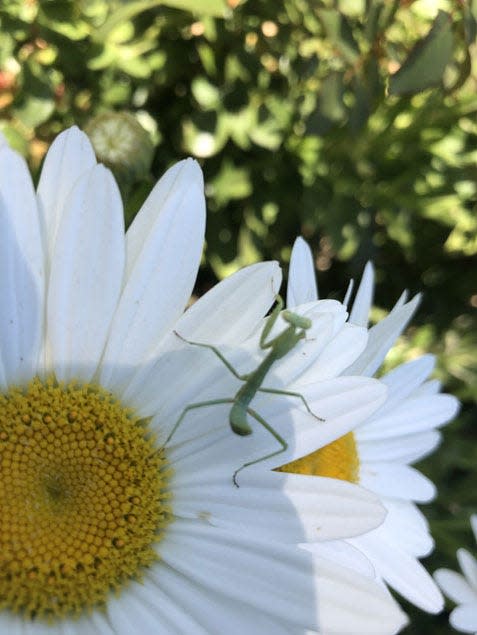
[(351, 122)]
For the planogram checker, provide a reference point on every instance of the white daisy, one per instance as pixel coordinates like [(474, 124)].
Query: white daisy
[(105, 529), (462, 589), (378, 453)]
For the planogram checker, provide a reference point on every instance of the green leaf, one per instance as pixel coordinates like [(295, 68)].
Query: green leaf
[(61, 17), (207, 95), (230, 183), (129, 10), (203, 7), (425, 64), (36, 103)]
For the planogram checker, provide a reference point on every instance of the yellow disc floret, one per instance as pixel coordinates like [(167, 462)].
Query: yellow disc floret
[(335, 460), (83, 498)]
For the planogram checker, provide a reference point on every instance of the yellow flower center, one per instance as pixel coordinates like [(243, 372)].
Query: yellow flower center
[(336, 460), (83, 498)]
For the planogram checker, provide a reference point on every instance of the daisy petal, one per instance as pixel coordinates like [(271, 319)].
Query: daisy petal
[(468, 566), (407, 527), (301, 275), (152, 598), (473, 524), (349, 604), (406, 378), (411, 417), (214, 612), (401, 571), (343, 554), (364, 298), (133, 614), (397, 481), (225, 562), (230, 311), (323, 508), (86, 278), (464, 618), (337, 355), (455, 586), (402, 449), (381, 337), (69, 156), (21, 271), (161, 265)]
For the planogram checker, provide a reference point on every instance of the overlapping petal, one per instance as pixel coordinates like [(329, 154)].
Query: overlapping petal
[(87, 265), (22, 276)]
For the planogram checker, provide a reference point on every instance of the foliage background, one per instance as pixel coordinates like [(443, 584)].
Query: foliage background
[(351, 122)]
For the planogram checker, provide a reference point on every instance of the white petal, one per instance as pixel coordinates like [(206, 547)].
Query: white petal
[(86, 275), (401, 571), (338, 354), (406, 378), (70, 155), (21, 272), (351, 604), (130, 613), (11, 624), (473, 524), (455, 586), (402, 449), (342, 403), (348, 293), (215, 612), (382, 337), (414, 415), (154, 600), (301, 275), (164, 246), (406, 526), (364, 298), (228, 313), (343, 554), (270, 577), (298, 507), (464, 618), (397, 481), (468, 566)]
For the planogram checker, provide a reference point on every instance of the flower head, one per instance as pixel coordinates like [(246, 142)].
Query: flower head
[(462, 589), (378, 452), (110, 524)]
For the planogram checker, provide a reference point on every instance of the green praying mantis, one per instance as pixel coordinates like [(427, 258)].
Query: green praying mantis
[(277, 348)]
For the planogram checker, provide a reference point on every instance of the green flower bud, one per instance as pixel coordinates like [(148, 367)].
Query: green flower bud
[(122, 144)]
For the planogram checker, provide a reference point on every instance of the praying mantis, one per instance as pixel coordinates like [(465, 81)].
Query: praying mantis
[(277, 348)]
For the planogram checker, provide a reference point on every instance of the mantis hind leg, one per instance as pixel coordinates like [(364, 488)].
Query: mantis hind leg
[(273, 432), (288, 393)]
